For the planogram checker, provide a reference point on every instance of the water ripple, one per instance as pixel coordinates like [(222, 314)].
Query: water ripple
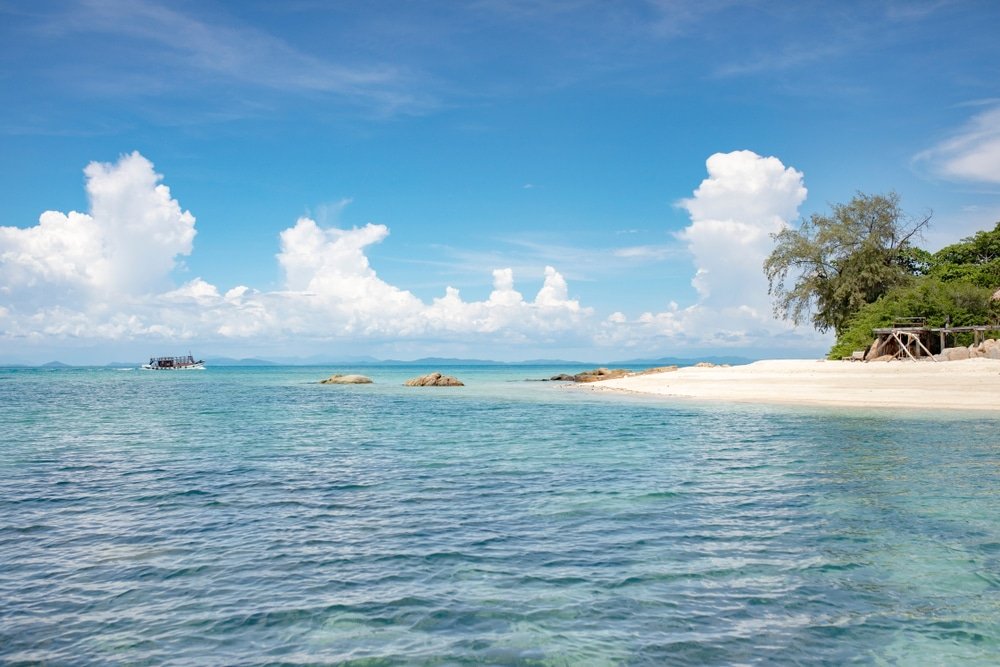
[(249, 517)]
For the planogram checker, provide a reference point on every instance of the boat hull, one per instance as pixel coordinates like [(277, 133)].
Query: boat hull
[(186, 363)]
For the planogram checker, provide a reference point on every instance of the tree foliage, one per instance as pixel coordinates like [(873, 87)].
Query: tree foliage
[(975, 259), (955, 287), (840, 262), (857, 269), (938, 301)]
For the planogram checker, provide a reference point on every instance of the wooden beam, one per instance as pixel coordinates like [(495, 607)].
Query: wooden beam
[(903, 345), (921, 344)]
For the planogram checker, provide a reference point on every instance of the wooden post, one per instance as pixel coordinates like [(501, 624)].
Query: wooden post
[(905, 346), (943, 340)]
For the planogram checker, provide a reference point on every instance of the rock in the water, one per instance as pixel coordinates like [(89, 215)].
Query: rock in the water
[(434, 380), (599, 374), (347, 379)]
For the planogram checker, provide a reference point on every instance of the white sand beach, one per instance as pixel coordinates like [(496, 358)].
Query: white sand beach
[(972, 384)]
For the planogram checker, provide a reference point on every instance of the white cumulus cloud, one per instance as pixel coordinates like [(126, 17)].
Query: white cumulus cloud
[(745, 199), (331, 265), (106, 275), (127, 244), (734, 212)]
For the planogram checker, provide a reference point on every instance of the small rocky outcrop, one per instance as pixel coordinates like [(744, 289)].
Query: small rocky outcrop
[(598, 374), (347, 379), (434, 380)]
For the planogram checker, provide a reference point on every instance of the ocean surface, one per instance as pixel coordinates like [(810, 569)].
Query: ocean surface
[(249, 516)]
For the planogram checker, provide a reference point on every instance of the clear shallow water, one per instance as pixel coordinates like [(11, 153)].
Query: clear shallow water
[(249, 516)]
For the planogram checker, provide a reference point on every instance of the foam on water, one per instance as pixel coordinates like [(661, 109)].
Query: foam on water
[(251, 516)]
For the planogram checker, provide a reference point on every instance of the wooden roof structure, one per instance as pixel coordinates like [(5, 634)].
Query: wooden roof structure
[(912, 338)]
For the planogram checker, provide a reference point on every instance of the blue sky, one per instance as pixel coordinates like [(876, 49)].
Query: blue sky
[(544, 161)]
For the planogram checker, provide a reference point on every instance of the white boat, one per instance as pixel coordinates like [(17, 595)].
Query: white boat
[(187, 363)]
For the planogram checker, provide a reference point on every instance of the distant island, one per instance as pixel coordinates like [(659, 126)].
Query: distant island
[(423, 361)]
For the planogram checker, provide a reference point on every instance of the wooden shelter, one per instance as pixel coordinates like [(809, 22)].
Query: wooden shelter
[(911, 338)]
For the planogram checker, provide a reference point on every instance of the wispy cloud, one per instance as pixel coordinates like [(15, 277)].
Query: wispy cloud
[(528, 255), (915, 10), (787, 57), (971, 153), (675, 17), (328, 213), (816, 38), (166, 49), (594, 261), (648, 252)]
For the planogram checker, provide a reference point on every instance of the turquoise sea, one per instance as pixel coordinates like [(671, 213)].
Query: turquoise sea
[(249, 516)]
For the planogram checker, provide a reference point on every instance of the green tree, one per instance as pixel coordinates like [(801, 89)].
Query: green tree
[(842, 261), (975, 259)]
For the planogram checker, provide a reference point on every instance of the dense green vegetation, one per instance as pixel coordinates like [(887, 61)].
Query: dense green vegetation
[(858, 269), (939, 302)]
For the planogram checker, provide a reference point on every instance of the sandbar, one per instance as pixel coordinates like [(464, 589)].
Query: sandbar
[(972, 384)]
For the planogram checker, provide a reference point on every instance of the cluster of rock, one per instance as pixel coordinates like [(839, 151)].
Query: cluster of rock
[(434, 380), (437, 379), (347, 379), (598, 374), (594, 375), (989, 348), (429, 380)]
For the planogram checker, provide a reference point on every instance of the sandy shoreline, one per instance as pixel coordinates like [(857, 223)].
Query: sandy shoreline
[(972, 384)]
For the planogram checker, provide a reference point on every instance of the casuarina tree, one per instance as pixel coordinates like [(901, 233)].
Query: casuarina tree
[(834, 264)]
